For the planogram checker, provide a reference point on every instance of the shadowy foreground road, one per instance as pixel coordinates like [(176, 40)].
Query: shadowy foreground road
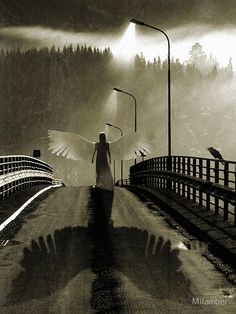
[(68, 258)]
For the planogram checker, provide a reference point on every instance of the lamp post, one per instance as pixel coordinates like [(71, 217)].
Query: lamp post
[(169, 79), (135, 107), (121, 162)]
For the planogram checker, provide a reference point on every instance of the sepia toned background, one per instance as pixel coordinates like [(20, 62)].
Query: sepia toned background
[(60, 61)]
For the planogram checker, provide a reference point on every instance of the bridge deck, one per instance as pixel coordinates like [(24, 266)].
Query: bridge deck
[(64, 259), (221, 233)]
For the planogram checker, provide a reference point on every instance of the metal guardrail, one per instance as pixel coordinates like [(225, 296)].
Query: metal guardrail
[(58, 182), (123, 182), (19, 171), (204, 181)]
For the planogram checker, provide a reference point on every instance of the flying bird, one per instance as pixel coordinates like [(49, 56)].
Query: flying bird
[(216, 154)]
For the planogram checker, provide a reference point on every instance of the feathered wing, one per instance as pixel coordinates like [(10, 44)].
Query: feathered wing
[(70, 145), (129, 147)]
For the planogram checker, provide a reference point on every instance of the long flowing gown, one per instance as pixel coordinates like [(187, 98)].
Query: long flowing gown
[(75, 147), (104, 178)]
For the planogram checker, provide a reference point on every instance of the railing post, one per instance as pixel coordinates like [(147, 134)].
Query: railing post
[(174, 170), (226, 183), (183, 172), (178, 170), (161, 168), (194, 174), (155, 168), (208, 177), (158, 168), (235, 189), (4, 165), (188, 173), (235, 215), (169, 168), (216, 181), (200, 177)]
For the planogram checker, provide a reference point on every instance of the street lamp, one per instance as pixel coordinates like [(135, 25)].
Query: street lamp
[(116, 127), (121, 162), (135, 107), (169, 79)]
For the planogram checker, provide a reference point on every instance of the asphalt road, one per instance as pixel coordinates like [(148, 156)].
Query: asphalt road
[(68, 258)]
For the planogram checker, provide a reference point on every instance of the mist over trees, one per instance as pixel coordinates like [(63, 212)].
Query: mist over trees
[(68, 90)]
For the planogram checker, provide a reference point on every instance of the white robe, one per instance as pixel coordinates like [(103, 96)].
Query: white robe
[(104, 178)]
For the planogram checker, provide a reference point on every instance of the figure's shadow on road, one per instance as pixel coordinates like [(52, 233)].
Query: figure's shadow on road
[(50, 263)]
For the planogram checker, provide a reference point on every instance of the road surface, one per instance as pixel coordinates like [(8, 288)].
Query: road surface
[(66, 258)]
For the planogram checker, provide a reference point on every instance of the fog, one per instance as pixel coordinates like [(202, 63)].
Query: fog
[(220, 42), (71, 90)]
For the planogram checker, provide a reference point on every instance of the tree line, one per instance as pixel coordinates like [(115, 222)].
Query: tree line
[(51, 88)]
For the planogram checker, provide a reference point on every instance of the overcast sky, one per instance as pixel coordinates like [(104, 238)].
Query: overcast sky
[(104, 23), (109, 15)]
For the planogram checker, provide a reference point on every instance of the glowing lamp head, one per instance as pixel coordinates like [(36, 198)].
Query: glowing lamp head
[(137, 22), (117, 89)]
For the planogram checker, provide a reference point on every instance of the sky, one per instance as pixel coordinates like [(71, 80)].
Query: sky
[(108, 15), (105, 23)]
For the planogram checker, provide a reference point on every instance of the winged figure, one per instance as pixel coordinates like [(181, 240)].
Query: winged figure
[(73, 146)]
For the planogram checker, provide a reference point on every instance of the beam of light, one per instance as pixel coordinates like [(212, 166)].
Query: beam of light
[(111, 134), (220, 42), (106, 131), (125, 49), (109, 112)]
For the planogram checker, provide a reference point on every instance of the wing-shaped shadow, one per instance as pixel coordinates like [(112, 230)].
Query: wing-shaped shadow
[(151, 264), (50, 263)]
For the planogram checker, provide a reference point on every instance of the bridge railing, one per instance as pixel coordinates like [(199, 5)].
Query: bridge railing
[(19, 171), (205, 181)]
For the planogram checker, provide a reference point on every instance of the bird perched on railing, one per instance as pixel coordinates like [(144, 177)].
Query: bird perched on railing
[(216, 154)]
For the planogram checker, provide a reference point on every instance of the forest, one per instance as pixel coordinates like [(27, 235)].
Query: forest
[(69, 90)]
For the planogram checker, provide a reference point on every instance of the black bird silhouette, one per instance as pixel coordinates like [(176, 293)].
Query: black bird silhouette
[(216, 154)]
